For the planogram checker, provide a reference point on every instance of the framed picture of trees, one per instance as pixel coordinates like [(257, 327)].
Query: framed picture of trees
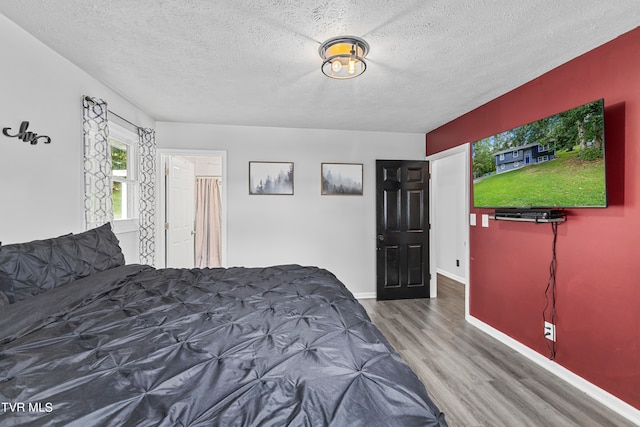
[(341, 179), (271, 178)]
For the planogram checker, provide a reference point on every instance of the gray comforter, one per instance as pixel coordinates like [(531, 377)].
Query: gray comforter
[(136, 346)]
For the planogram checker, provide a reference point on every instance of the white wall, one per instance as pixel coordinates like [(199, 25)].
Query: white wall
[(41, 186), (450, 213), (333, 232), (208, 166)]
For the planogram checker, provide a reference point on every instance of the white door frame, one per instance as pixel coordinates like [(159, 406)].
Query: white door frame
[(162, 155), (433, 195)]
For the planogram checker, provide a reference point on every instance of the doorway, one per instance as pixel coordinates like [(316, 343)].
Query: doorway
[(183, 232), (402, 229), (450, 208)]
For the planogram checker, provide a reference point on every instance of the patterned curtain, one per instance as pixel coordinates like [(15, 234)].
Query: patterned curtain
[(98, 205), (147, 154)]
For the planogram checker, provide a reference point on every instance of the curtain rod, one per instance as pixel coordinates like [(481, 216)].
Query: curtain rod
[(123, 119), (88, 99)]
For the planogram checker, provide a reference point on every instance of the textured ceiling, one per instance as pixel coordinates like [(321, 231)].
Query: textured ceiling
[(256, 62)]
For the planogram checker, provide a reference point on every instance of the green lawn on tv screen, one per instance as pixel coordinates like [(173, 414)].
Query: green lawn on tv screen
[(562, 182)]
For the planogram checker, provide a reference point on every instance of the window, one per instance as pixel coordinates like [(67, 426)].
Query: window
[(515, 154), (502, 166), (502, 156), (516, 164), (124, 172), (543, 158)]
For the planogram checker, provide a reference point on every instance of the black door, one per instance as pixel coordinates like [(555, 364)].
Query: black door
[(402, 215)]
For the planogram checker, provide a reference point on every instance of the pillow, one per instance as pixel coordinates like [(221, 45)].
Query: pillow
[(31, 268)]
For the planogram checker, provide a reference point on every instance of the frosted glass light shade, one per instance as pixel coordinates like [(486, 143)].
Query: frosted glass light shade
[(343, 57)]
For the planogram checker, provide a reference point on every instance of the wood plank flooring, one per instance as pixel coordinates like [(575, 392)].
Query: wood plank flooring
[(473, 378)]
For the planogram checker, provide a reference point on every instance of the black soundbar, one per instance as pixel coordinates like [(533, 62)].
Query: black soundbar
[(529, 213)]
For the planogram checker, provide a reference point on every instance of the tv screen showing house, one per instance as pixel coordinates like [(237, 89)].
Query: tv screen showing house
[(555, 162)]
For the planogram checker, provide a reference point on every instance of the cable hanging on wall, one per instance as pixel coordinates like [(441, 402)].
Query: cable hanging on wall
[(550, 295)]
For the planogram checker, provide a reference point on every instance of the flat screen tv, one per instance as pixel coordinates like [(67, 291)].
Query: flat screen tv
[(556, 162)]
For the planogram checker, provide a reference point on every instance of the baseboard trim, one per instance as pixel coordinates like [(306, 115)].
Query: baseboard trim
[(452, 276), (602, 396), (365, 295)]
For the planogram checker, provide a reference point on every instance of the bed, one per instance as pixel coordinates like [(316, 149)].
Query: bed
[(87, 340)]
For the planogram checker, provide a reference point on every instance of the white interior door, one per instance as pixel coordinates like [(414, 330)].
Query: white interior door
[(180, 213)]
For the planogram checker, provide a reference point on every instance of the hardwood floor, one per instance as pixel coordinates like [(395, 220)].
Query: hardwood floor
[(473, 378)]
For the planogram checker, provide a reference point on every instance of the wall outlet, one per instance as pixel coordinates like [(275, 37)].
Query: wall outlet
[(550, 331)]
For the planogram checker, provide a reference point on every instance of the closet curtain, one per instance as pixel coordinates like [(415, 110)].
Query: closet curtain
[(208, 222), (98, 205)]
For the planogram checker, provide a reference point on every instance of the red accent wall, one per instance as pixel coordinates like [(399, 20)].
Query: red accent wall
[(598, 250)]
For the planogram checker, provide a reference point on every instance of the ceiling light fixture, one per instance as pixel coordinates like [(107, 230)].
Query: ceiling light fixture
[(343, 57)]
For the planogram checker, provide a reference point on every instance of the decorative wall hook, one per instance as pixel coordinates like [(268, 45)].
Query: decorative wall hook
[(26, 136)]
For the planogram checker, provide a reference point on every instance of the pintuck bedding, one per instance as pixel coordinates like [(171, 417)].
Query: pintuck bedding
[(88, 341)]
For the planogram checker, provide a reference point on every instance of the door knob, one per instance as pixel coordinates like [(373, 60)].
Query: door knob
[(380, 237)]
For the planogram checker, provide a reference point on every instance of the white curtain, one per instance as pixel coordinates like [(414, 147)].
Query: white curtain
[(98, 205), (208, 222)]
